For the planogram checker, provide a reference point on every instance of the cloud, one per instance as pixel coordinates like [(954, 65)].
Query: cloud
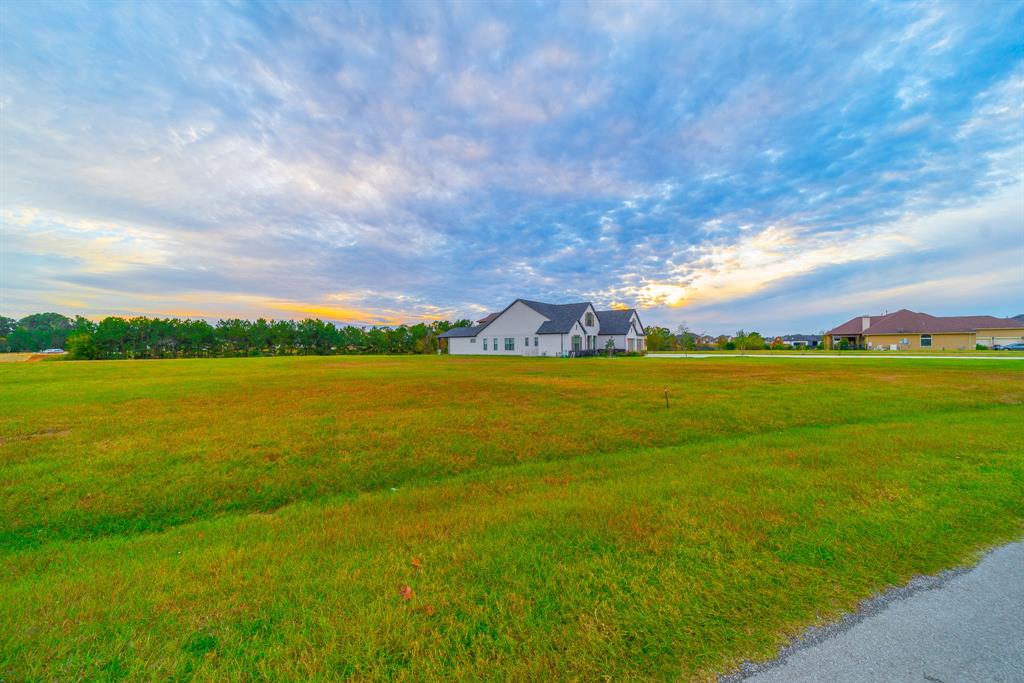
[(427, 159)]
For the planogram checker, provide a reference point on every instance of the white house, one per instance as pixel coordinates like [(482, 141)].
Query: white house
[(532, 328)]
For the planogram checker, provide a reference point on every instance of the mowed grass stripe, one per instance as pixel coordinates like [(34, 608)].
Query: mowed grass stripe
[(93, 449), (657, 564)]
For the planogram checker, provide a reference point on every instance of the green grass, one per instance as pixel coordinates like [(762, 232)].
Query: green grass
[(258, 518)]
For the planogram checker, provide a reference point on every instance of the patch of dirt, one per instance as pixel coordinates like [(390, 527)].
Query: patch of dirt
[(4, 440)]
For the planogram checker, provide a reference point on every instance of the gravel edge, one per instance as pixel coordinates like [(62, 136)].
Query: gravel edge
[(865, 609)]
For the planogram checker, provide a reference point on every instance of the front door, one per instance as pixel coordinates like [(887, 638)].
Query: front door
[(577, 342)]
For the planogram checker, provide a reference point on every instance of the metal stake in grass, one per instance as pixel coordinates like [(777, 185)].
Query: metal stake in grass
[(666, 398)]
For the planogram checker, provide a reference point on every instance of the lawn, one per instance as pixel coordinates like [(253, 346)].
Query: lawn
[(427, 518)]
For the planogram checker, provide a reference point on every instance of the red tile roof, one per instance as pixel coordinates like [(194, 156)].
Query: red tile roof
[(911, 322)]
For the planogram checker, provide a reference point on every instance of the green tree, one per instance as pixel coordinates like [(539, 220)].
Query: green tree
[(7, 325), (111, 337), (21, 340), (685, 338), (658, 338), (80, 346)]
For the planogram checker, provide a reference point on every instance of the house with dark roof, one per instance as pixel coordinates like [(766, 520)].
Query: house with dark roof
[(808, 341), (912, 331), (535, 328)]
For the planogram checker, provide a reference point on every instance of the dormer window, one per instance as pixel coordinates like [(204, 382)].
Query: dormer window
[(590, 319)]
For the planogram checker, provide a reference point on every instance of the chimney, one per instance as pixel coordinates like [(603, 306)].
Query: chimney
[(865, 322)]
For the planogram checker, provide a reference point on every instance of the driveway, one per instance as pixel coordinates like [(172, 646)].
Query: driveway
[(963, 625)]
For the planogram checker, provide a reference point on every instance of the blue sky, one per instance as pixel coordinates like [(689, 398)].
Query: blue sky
[(780, 167)]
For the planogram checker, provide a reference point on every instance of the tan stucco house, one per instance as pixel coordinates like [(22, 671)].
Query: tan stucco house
[(910, 331)]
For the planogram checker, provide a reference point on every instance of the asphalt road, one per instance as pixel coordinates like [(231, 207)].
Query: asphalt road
[(961, 626)]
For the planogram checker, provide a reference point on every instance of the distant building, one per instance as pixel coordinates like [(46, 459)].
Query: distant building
[(533, 328), (808, 341), (911, 331)]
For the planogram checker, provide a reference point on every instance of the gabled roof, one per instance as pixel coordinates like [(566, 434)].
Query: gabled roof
[(560, 317), (615, 321), (905, 321), (488, 318), (854, 326)]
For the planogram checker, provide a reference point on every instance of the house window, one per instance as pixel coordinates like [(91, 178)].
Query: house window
[(577, 342), (495, 343), (926, 340), (472, 340), (526, 341), (590, 319), (536, 341), (510, 344), (485, 343)]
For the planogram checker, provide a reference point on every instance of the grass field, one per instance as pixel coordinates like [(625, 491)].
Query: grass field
[(426, 518)]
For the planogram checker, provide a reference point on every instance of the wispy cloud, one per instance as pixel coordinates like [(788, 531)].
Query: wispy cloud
[(753, 164)]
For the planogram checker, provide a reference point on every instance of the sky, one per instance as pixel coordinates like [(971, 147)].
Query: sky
[(779, 167)]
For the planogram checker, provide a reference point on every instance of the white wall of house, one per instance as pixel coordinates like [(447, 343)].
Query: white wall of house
[(551, 344), (618, 339), (589, 332), (460, 346), (517, 322)]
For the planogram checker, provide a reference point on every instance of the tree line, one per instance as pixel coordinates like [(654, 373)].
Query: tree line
[(685, 339), (143, 337)]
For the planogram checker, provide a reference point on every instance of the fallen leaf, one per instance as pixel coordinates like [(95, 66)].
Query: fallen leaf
[(416, 563), (405, 592)]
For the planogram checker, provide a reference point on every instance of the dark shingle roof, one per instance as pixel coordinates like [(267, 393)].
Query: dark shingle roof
[(461, 332), (615, 322), (802, 337), (560, 317)]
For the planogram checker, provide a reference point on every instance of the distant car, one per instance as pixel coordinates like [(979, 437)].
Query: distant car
[(1016, 346), (53, 351)]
